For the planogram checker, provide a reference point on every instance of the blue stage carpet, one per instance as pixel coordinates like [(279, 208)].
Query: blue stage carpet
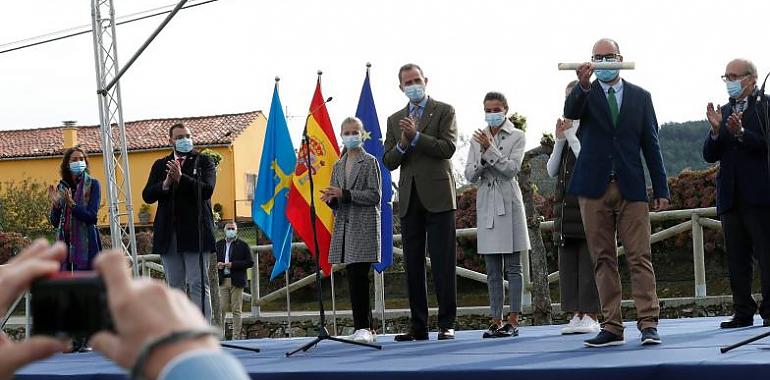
[(690, 350)]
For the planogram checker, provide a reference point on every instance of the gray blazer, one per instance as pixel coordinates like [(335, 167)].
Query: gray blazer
[(427, 164), (357, 221)]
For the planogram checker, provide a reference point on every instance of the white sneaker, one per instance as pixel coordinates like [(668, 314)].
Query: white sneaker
[(587, 325), (364, 336), (571, 326)]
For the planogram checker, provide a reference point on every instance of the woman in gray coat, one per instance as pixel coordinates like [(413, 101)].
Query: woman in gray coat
[(354, 193), (494, 160)]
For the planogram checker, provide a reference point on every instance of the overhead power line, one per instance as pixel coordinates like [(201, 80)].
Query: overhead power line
[(84, 29)]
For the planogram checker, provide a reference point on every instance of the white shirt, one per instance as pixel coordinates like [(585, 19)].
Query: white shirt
[(227, 253), (554, 161), (618, 91)]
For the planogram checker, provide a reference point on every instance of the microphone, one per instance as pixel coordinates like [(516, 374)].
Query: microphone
[(600, 66), (762, 89), (329, 99)]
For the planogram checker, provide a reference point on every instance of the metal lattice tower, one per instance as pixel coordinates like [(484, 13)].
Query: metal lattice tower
[(113, 131)]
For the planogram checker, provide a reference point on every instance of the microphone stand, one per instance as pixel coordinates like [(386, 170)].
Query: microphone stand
[(765, 110), (323, 333)]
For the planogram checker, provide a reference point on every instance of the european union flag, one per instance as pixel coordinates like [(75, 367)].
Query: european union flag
[(373, 144), (276, 169)]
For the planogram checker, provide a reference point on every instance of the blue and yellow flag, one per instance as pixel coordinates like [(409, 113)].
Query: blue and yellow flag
[(276, 170), (373, 144)]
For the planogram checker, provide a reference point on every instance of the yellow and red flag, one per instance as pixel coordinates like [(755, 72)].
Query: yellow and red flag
[(324, 152)]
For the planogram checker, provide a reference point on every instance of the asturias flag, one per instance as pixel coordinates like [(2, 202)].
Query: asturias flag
[(324, 152), (373, 144), (270, 195)]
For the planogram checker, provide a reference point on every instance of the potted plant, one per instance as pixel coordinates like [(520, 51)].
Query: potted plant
[(217, 212), (144, 214)]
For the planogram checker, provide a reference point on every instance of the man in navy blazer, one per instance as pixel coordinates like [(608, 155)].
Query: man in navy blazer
[(738, 140), (617, 123)]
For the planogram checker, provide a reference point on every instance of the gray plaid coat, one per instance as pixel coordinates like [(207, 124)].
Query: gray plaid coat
[(357, 221)]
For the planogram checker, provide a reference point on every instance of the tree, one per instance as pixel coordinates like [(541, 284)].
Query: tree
[(541, 298), (24, 208)]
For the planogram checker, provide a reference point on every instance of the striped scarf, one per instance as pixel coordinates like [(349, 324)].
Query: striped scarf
[(72, 230)]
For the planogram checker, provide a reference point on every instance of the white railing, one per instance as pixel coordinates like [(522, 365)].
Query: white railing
[(694, 220)]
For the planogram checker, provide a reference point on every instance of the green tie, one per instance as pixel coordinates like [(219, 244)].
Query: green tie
[(613, 101)]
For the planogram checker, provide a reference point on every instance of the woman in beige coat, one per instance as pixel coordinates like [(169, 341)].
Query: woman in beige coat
[(494, 160)]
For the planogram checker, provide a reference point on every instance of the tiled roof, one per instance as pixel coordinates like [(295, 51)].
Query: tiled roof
[(140, 135)]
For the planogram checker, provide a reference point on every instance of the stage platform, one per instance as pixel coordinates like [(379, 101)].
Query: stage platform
[(690, 350)]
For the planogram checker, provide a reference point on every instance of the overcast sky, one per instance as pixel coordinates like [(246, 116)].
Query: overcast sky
[(222, 57)]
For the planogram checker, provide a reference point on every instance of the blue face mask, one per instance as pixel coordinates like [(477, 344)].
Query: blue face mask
[(495, 119), (734, 88), (231, 234), (184, 145), (77, 167), (415, 92), (606, 75), (352, 141)]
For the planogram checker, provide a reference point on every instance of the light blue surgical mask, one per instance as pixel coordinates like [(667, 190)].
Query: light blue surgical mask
[(231, 234), (352, 141), (415, 92), (734, 88), (184, 145), (495, 119), (606, 75), (77, 167)]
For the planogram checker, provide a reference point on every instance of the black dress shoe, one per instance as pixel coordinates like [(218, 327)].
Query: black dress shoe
[(445, 334), (411, 336), (735, 322)]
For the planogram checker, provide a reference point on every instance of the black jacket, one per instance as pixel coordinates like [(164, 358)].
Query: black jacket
[(240, 256), (743, 168), (566, 209), (178, 206)]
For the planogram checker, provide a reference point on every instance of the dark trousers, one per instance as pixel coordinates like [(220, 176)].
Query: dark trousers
[(438, 229), (358, 283), (577, 283), (747, 237)]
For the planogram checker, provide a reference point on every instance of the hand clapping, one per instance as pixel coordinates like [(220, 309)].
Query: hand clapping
[(330, 193), (482, 138)]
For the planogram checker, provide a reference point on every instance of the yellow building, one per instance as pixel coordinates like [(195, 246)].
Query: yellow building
[(36, 154)]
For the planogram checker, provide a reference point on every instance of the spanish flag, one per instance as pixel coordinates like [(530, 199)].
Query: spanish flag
[(323, 152)]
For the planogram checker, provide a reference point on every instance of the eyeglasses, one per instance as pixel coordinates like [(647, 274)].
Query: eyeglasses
[(732, 77), (612, 57)]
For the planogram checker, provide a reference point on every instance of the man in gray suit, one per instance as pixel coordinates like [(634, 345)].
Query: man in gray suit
[(421, 140)]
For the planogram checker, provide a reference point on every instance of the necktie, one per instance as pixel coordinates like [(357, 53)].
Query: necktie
[(613, 102), (415, 114), (742, 105)]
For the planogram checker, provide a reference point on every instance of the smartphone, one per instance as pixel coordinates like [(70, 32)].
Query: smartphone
[(72, 304)]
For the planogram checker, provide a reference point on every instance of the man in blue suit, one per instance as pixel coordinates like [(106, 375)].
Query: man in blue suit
[(617, 123), (738, 140)]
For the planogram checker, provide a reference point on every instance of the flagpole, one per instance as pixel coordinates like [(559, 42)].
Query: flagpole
[(288, 304)]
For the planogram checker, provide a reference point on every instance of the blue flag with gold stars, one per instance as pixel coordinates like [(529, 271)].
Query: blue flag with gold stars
[(373, 144), (276, 169)]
